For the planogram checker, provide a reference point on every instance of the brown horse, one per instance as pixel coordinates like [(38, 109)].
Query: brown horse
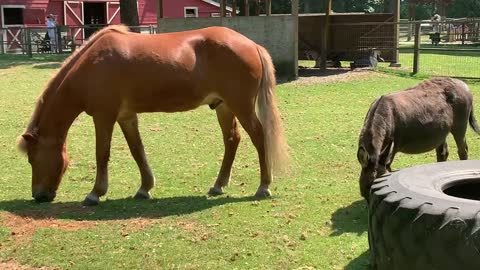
[(414, 121), (118, 74)]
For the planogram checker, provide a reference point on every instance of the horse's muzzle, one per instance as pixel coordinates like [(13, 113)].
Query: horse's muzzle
[(44, 196)]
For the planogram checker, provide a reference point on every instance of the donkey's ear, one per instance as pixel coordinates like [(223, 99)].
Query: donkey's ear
[(362, 156)]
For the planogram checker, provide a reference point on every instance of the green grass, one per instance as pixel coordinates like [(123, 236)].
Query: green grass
[(316, 217)]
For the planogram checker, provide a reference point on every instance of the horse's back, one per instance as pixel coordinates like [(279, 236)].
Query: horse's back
[(171, 71)]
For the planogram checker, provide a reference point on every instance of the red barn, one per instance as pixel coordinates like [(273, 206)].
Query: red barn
[(87, 12), (32, 13)]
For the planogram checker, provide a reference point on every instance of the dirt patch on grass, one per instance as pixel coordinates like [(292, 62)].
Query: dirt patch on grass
[(310, 76), (22, 227), (14, 265)]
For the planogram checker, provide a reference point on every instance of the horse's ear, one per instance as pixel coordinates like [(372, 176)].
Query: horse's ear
[(29, 137), (24, 140), (362, 156)]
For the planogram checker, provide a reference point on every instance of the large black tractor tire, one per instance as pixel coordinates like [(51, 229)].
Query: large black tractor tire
[(415, 225)]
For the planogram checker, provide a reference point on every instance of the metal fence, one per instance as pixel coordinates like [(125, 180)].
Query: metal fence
[(35, 40), (448, 48)]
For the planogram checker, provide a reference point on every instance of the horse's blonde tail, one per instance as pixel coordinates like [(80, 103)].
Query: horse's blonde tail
[(276, 148)]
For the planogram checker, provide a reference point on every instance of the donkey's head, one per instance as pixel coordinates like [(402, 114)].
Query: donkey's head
[(49, 161), (370, 169)]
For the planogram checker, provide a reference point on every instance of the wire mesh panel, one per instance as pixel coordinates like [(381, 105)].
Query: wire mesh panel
[(450, 48)]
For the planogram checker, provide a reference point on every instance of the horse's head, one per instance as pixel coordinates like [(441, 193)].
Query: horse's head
[(49, 161), (370, 170)]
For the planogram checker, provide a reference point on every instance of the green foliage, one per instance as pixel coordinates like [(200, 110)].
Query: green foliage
[(464, 8), (369, 6)]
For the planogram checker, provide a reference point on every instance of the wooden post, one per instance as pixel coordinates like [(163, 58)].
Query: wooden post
[(159, 10), (29, 42), (268, 7), (247, 8), (416, 49), (223, 8), (396, 32), (325, 36), (295, 35), (234, 8), (257, 7)]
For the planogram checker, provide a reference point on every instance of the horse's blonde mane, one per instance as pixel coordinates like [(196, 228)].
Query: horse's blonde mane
[(55, 82)]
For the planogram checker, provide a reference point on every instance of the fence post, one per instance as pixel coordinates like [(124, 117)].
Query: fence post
[(463, 33), (416, 49), (325, 36), (2, 48), (29, 42), (58, 32)]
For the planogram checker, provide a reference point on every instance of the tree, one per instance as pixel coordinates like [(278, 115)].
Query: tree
[(129, 14), (464, 8)]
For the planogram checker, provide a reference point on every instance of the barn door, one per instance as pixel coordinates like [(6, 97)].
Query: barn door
[(12, 24), (73, 16), (113, 13)]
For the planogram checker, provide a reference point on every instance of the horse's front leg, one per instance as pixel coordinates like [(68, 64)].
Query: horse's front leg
[(103, 135), (129, 126), (231, 139)]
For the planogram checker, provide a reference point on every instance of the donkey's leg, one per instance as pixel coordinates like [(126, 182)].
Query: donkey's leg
[(129, 126), (252, 125), (390, 160), (462, 147), (459, 136), (231, 139), (103, 134), (442, 152), (384, 160)]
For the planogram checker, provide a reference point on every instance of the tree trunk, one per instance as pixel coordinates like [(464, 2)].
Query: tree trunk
[(129, 14)]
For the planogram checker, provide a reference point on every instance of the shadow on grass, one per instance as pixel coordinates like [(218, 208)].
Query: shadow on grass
[(350, 219), (316, 72), (360, 263), (15, 60), (117, 209), (47, 66)]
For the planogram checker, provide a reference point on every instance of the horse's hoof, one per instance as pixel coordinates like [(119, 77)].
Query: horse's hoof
[(215, 191), (263, 193), (142, 195), (91, 200)]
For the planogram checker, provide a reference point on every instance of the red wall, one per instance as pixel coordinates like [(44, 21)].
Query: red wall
[(174, 8), (36, 10)]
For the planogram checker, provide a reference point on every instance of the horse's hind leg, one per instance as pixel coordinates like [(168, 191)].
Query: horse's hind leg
[(442, 152), (231, 139), (129, 126), (103, 136), (252, 125)]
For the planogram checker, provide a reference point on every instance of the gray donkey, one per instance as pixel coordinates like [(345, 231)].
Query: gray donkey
[(414, 121)]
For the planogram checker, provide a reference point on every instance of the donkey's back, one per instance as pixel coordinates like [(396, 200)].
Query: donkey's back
[(424, 115)]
